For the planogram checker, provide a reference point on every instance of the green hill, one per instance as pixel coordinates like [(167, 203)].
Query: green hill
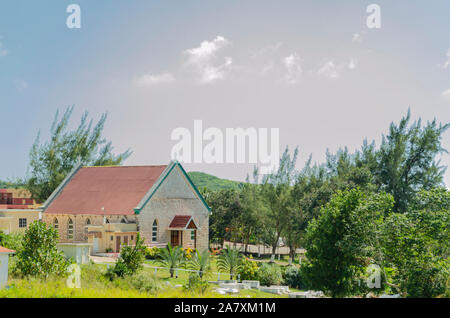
[(211, 182)]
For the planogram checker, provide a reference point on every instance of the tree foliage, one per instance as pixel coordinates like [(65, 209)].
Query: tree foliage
[(230, 260), (407, 160), (38, 255), (51, 161), (172, 258), (342, 240), (131, 258)]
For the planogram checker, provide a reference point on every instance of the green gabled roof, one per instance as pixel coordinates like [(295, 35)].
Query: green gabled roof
[(161, 179)]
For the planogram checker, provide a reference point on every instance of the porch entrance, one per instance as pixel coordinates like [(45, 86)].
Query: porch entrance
[(175, 237)]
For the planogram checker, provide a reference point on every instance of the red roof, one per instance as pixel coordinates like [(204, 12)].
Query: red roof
[(118, 189), (5, 250), (180, 221)]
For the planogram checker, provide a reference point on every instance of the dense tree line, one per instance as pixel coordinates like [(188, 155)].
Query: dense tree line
[(383, 205)]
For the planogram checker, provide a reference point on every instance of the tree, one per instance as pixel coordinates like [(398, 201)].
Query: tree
[(225, 211), (416, 245), (407, 160), (276, 188), (171, 257), (52, 161), (201, 262), (343, 240), (230, 260), (131, 258), (310, 192), (38, 255), (252, 207)]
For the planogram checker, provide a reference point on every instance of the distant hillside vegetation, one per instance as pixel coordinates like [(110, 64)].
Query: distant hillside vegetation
[(211, 182), (10, 185)]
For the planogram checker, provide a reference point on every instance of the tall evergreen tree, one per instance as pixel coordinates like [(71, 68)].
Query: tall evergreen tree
[(407, 160), (276, 188), (51, 161)]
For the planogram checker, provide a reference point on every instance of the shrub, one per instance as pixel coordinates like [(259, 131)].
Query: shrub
[(201, 262), (230, 261), (130, 260), (293, 277), (188, 253), (145, 282), (196, 285), (248, 270), (270, 274), (38, 255), (11, 241), (151, 252), (172, 258)]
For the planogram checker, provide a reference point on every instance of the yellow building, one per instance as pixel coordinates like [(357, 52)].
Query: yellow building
[(110, 236), (17, 210)]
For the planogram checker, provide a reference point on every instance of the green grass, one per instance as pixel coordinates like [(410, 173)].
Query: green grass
[(95, 285)]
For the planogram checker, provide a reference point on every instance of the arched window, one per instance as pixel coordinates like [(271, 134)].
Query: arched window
[(124, 220), (155, 231), (88, 222), (55, 224), (70, 229)]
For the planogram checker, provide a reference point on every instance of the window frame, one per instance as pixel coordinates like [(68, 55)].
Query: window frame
[(70, 229), (155, 231), (22, 223)]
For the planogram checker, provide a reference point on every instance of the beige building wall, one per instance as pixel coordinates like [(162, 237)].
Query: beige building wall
[(9, 220), (79, 222), (174, 197)]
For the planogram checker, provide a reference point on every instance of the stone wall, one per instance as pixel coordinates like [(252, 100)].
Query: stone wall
[(79, 221), (174, 197)]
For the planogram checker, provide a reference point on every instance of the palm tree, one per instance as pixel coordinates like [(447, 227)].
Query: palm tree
[(171, 258), (229, 261), (201, 262)]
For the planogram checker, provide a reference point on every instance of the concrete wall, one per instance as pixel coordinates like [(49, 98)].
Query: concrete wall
[(174, 197), (9, 219), (3, 269), (78, 252)]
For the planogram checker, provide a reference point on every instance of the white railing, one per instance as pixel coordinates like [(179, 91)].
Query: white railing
[(177, 269)]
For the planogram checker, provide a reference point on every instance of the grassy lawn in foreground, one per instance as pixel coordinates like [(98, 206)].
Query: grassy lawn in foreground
[(95, 285)]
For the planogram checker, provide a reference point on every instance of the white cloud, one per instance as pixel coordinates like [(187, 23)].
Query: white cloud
[(154, 79), (446, 94), (294, 71), (206, 50), (3, 51), (207, 61), (447, 63), (329, 70), (212, 73)]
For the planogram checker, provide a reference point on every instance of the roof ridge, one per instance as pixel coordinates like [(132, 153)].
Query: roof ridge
[(136, 166)]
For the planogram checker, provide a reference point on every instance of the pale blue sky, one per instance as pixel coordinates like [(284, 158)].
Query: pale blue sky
[(131, 59)]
